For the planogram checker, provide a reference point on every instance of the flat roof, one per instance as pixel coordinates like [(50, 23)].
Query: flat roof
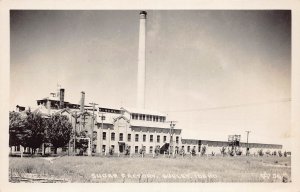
[(144, 111)]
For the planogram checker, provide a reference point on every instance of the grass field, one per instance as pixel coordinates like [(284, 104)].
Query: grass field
[(117, 169)]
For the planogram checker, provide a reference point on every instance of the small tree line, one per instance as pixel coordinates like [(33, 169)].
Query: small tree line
[(32, 130)]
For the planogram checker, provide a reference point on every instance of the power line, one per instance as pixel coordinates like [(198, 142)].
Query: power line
[(234, 106)]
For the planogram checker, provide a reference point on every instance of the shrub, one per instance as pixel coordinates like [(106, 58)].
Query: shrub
[(238, 152), (260, 152), (203, 150), (223, 151)]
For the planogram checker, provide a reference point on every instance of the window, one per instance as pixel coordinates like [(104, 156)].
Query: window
[(135, 116), (136, 137), (104, 136), (151, 117), (121, 137), (151, 138), (176, 150), (188, 148), (158, 138), (112, 136), (17, 148), (95, 135), (165, 139), (177, 139), (136, 149), (144, 138), (112, 146), (151, 149), (140, 117), (103, 148), (129, 137)]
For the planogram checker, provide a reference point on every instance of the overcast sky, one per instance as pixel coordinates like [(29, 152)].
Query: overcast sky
[(215, 72)]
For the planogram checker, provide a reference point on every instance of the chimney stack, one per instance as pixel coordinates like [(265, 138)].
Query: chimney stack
[(61, 98), (141, 61), (82, 101)]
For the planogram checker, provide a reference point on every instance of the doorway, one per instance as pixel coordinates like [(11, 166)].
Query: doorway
[(121, 147)]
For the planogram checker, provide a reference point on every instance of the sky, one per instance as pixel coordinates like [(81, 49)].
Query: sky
[(216, 72)]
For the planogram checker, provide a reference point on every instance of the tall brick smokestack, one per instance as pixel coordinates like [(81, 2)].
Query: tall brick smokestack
[(82, 101), (61, 98), (141, 61)]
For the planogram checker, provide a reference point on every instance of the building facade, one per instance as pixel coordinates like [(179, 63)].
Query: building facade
[(135, 129), (126, 130)]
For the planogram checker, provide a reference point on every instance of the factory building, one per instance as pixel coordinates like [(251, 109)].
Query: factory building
[(128, 128), (134, 129)]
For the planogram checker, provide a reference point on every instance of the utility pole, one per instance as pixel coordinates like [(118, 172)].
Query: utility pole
[(172, 125), (93, 124), (74, 144), (247, 151), (100, 133)]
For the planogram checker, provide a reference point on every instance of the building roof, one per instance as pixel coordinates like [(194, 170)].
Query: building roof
[(143, 111), (49, 98), (43, 110)]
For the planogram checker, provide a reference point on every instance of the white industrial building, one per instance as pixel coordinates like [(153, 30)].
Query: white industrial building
[(123, 128)]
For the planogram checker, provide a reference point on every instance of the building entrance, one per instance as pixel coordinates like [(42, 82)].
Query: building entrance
[(121, 147)]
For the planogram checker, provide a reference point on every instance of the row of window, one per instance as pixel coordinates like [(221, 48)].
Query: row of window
[(148, 117), (121, 137), (109, 110), (136, 148)]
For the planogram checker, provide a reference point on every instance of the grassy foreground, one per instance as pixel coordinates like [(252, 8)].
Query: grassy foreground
[(114, 169)]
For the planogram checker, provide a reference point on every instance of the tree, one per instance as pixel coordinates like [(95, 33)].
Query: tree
[(59, 131), (34, 132), (16, 129)]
